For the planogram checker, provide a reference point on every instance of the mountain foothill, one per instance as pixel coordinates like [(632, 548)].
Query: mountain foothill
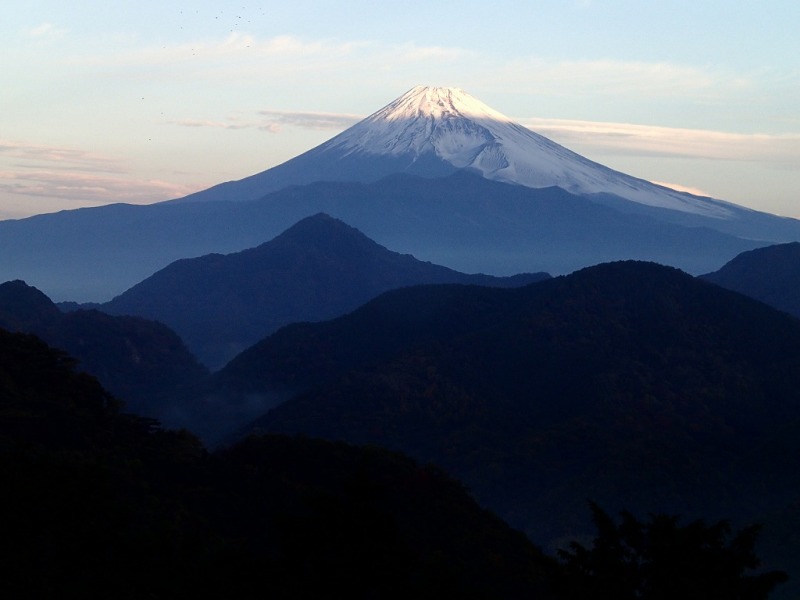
[(770, 274), (353, 374), (318, 269)]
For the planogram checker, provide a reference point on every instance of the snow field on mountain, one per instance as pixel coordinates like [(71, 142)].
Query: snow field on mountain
[(462, 131)]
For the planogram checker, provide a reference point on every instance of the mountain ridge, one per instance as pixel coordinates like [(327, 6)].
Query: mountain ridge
[(770, 274), (462, 221), (450, 142), (632, 384), (98, 503), (317, 269), (138, 360)]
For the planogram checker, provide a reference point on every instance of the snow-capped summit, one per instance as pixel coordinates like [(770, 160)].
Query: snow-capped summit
[(435, 131), (464, 132), (447, 122)]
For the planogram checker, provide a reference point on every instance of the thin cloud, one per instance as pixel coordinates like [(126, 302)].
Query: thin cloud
[(213, 124), (242, 56), (608, 138), (236, 45), (273, 121), (311, 120), (67, 157), (632, 139), (684, 188), (412, 52), (627, 80), (45, 31), (86, 187), (75, 175)]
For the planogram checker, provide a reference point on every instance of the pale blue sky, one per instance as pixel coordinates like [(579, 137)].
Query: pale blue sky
[(148, 100)]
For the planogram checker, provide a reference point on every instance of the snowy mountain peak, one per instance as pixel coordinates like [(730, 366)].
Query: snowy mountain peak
[(445, 122), (448, 126), (437, 103)]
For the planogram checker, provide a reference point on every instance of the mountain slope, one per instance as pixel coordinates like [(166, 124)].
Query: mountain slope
[(433, 131), (631, 384), (318, 269), (138, 360), (100, 504), (770, 274)]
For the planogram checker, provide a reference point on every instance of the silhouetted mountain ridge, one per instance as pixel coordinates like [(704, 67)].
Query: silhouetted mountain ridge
[(23, 306), (770, 274), (140, 361), (101, 504), (630, 383), (461, 221), (317, 269)]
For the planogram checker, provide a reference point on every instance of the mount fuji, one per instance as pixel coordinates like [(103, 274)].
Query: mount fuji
[(435, 131), (435, 173)]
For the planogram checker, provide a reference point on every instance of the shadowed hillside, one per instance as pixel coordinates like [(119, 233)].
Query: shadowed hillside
[(99, 504), (629, 383), (318, 269), (139, 360), (770, 274)]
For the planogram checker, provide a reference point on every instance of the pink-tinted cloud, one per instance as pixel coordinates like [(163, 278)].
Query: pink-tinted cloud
[(57, 172), (311, 120), (273, 121), (631, 139), (231, 124), (74, 158), (88, 187), (684, 188)]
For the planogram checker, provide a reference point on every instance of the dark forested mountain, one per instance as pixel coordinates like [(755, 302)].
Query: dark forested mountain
[(770, 274), (632, 384), (318, 269), (139, 360), (100, 504)]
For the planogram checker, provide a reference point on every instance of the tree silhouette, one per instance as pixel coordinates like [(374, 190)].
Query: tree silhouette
[(661, 559)]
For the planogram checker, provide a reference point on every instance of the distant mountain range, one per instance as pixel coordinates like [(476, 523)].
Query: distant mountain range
[(436, 174), (318, 269)]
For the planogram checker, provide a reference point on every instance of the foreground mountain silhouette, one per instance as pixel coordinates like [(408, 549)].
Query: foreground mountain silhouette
[(629, 383), (531, 205), (770, 274), (101, 504), (317, 269), (138, 360)]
